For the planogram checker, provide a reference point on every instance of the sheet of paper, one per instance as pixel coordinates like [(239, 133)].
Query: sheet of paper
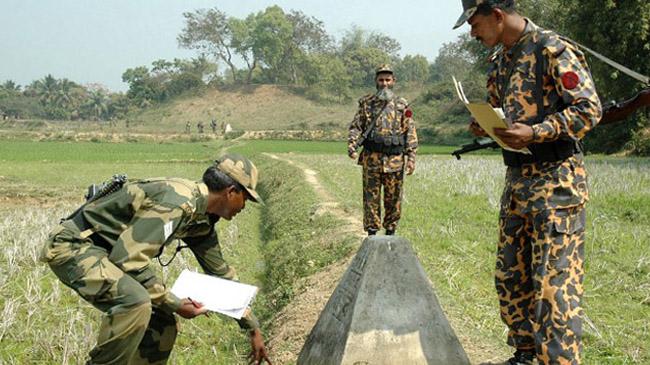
[(487, 117), (218, 295)]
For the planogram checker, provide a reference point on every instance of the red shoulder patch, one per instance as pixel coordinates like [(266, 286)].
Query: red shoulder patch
[(408, 113), (570, 80)]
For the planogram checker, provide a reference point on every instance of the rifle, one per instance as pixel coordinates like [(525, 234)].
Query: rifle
[(613, 112), (367, 132), (477, 144), (98, 191)]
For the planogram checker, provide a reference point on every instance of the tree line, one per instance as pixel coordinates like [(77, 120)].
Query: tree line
[(274, 46)]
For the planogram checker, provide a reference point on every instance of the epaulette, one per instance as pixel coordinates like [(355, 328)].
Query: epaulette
[(366, 98), (553, 42), (401, 103)]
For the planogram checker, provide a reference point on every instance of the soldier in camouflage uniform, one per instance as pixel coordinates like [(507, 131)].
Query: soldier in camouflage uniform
[(104, 253), (383, 125), (545, 88)]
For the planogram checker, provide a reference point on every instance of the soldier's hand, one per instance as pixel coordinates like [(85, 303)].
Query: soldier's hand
[(353, 155), (410, 167), (518, 136), (476, 129), (258, 351), (190, 309)]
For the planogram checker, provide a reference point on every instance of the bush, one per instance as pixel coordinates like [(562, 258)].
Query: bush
[(234, 134)]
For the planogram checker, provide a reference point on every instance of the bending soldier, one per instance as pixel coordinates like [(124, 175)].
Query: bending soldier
[(544, 86), (104, 253), (383, 125)]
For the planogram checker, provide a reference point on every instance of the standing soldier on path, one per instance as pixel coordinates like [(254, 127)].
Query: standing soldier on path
[(104, 251), (199, 127), (383, 126), (545, 88), (188, 127), (213, 125)]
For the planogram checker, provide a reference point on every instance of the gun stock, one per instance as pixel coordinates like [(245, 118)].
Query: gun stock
[(615, 112)]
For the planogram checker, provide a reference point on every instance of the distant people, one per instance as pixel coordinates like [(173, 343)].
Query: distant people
[(223, 127), (199, 127), (384, 127), (213, 125), (188, 127)]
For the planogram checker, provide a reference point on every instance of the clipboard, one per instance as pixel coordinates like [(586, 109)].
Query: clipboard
[(488, 118), (217, 295)]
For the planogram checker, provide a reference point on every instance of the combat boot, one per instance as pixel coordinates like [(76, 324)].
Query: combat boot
[(372, 232), (522, 357), (390, 232)]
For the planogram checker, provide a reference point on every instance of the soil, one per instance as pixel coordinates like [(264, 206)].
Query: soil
[(293, 324)]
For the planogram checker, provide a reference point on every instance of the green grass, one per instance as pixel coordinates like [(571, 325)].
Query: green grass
[(450, 214)]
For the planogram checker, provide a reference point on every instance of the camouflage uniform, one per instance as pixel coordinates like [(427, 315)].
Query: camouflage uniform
[(383, 168), (104, 253), (540, 267)]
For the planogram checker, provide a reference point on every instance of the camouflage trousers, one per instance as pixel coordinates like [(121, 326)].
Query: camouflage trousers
[(539, 281), (373, 181), (131, 331)]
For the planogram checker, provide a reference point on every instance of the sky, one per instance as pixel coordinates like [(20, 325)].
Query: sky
[(96, 41)]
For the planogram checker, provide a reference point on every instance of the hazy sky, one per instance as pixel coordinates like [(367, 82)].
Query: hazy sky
[(96, 41)]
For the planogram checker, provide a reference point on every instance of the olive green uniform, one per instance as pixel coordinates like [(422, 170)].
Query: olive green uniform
[(104, 253)]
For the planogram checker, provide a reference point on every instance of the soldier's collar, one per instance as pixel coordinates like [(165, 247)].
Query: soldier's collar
[(201, 197), (529, 29)]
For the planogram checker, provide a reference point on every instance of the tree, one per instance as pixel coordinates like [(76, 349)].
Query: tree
[(413, 68), (212, 32), (362, 52)]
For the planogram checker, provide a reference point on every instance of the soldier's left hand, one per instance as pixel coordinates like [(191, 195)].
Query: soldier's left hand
[(258, 351), (410, 167), (518, 136)]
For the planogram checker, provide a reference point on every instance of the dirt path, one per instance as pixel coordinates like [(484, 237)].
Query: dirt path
[(292, 325), (328, 203)]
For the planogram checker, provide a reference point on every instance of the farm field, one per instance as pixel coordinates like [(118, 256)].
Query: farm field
[(450, 212)]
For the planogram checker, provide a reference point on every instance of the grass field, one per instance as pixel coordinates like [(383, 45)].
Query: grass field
[(450, 212)]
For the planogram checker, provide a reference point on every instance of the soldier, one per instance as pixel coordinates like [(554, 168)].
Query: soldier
[(199, 127), (188, 127), (104, 252), (213, 125), (384, 127), (545, 88)]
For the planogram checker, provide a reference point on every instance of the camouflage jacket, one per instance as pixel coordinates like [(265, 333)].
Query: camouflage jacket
[(567, 77), (143, 217), (566, 81), (394, 112)]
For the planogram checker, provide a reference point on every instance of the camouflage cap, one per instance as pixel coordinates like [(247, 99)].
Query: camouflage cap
[(469, 8), (242, 170), (383, 68)]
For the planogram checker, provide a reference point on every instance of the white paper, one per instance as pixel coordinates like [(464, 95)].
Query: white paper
[(487, 117), (217, 295)]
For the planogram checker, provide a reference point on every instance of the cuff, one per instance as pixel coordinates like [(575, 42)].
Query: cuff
[(544, 132), (248, 321), (171, 303)]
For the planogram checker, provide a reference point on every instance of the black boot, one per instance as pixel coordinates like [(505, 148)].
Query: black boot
[(372, 232), (390, 232), (522, 357)]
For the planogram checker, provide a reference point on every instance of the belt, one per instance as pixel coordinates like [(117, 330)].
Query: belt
[(83, 225)]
